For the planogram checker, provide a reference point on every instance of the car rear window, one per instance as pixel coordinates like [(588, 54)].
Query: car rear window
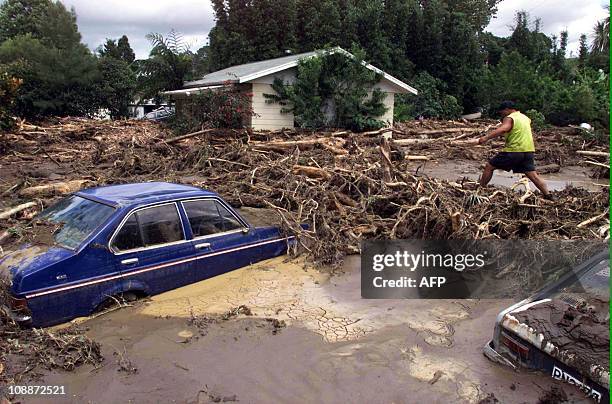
[(149, 227), (207, 217), (78, 217)]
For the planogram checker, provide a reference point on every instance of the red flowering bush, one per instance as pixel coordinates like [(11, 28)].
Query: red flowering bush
[(226, 107)]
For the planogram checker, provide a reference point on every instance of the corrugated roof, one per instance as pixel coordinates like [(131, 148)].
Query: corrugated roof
[(251, 71), (235, 73)]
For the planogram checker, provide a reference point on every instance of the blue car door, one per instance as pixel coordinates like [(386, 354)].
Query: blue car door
[(151, 250), (222, 241)]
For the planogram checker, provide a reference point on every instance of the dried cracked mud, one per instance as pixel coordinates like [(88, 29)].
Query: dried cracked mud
[(335, 347)]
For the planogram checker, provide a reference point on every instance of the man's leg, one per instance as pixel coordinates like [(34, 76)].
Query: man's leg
[(537, 181), (487, 174)]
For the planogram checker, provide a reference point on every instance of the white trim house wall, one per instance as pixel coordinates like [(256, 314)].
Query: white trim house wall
[(258, 78)]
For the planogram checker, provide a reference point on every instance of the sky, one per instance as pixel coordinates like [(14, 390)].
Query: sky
[(101, 19)]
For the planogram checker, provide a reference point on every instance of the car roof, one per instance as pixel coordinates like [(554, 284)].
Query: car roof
[(142, 193)]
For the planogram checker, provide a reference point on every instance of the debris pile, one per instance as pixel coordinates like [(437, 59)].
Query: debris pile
[(32, 349), (346, 186)]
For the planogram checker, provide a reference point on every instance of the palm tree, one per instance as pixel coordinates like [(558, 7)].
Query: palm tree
[(168, 64), (601, 35)]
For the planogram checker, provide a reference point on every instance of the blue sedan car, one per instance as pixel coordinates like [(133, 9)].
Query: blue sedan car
[(142, 238)]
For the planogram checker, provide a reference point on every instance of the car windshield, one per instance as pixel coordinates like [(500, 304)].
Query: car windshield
[(78, 217), (593, 283)]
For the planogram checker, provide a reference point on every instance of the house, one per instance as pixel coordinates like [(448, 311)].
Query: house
[(257, 78)]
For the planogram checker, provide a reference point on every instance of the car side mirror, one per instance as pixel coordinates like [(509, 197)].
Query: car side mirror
[(246, 230)]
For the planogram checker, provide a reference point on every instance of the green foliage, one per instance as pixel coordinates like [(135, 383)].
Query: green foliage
[(120, 49), (126, 53), (224, 108), (41, 43), (9, 86), (583, 99), (431, 102), (201, 62), (117, 86), (46, 20), (247, 31), (399, 36), (334, 90), (168, 66), (538, 121), (55, 81)]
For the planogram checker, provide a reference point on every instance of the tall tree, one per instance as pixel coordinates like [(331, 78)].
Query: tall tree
[(601, 36), (45, 20), (118, 49), (583, 50), (168, 66), (42, 48), (117, 86), (126, 53)]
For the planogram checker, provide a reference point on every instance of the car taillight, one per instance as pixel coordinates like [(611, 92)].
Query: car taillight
[(514, 345)]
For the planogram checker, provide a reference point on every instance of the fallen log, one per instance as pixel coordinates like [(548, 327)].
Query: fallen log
[(443, 131), (593, 153), (594, 163), (417, 158), (332, 145), (592, 220), (187, 136), (406, 142), (10, 212), (311, 172), (56, 188)]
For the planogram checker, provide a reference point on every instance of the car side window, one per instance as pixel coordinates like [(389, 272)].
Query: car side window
[(149, 227), (128, 238), (228, 221), (208, 217), (160, 225)]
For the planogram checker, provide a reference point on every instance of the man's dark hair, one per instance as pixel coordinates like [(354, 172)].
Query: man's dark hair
[(506, 105)]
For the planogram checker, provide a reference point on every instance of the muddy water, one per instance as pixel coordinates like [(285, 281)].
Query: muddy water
[(336, 347), (454, 170)]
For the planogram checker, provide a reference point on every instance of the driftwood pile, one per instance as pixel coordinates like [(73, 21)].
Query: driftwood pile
[(346, 186)]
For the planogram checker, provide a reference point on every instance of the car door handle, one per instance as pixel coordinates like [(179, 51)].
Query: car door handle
[(201, 246), (130, 261)]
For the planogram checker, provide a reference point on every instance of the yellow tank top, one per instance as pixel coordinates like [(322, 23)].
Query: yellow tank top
[(520, 138)]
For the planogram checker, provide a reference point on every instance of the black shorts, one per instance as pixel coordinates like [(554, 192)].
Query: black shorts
[(518, 162)]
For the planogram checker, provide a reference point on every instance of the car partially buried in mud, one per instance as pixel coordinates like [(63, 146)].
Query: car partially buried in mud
[(141, 239), (563, 330)]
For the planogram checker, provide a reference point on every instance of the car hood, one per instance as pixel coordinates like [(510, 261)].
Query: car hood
[(31, 258)]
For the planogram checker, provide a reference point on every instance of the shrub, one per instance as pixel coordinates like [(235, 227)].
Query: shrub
[(538, 121), (9, 86), (431, 102), (334, 90), (224, 108)]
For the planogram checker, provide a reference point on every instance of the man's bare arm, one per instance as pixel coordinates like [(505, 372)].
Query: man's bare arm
[(502, 129)]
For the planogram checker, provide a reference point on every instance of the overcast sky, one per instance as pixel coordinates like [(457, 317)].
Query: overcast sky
[(99, 20)]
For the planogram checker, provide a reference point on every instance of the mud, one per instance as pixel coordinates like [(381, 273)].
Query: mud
[(460, 169), (583, 332), (335, 347)]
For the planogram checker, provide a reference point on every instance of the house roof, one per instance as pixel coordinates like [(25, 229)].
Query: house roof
[(252, 71)]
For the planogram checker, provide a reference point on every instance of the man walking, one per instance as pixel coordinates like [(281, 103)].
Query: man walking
[(517, 155)]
